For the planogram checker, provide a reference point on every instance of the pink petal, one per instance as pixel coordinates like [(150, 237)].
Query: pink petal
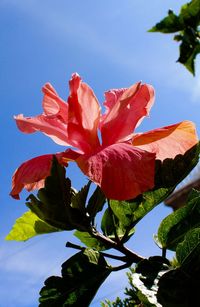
[(53, 122), (32, 173), (125, 111), (84, 115), (53, 104), (121, 170), (49, 125), (169, 141)]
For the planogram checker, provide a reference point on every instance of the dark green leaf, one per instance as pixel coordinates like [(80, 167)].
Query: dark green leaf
[(174, 227), (53, 202), (177, 289), (145, 278), (168, 174), (28, 226), (187, 24), (82, 275), (170, 24), (96, 202), (190, 13), (180, 287), (78, 200), (89, 241), (189, 48), (188, 251)]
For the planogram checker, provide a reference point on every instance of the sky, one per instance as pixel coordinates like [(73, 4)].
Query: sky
[(107, 43)]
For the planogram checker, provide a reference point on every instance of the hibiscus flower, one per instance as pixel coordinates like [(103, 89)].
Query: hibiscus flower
[(104, 146)]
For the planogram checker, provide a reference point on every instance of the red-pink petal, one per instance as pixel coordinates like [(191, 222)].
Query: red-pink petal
[(84, 115), (121, 170), (32, 173), (169, 141), (125, 112)]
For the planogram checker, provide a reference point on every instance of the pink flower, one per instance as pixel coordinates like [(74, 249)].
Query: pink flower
[(120, 162)]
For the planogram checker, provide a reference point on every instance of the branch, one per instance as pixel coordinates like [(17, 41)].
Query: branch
[(121, 258), (131, 257)]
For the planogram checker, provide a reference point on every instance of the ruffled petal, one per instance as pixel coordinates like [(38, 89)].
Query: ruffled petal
[(53, 104), (126, 112), (32, 173), (49, 125), (84, 115), (121, 170), (169, 141), (53, 122)]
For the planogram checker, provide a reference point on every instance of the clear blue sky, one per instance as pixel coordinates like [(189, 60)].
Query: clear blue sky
[(107, 43)]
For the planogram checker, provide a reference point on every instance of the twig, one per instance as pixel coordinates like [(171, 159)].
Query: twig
[(131, 256), (121, 258)]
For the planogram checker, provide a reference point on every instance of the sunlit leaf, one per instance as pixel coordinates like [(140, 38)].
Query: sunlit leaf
[(187, 25), (170, 24), (28, 226), (89, 241), (175, 226), (82, 275), (188, 251), (112, 227)]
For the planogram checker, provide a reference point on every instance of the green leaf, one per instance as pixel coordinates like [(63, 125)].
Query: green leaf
[(180, 287), (96, 202), (174, 227), (187, 24), (112, 227), (170, 24), (82, 275), (190, 13), (78, 200), (176, 289), (89, 241), (168, 174), (147, 277), (189, 48), (188, 251), (53, 203), (28, 226)]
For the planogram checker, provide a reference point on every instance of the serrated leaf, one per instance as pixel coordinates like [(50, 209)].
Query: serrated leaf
[(170, 24), (180, 287), (89, 241), (188, 251), (189, 48), (190, 13), (82, 275), (96, 202), (78, 200), (175, 226), (53, 202), (174, 290), (168, 175), (28, 226), (187, 24), (147, 295), (112, 227)]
